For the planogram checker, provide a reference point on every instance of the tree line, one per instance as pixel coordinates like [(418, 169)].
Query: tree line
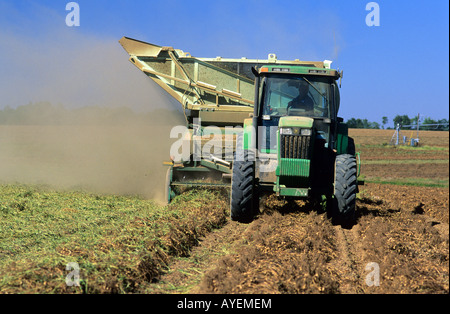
[(404, 121)]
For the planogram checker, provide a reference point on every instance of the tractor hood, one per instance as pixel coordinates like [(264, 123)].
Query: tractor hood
[(302, 122)]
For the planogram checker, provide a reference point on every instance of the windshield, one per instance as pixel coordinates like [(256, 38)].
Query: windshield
[(296, 96)]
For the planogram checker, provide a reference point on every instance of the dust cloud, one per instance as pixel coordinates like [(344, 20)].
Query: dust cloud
[(106, 155), (76, 114), (116, 156)]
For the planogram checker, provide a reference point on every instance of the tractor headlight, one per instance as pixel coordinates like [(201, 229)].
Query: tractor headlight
[(295, 131), (286, 131), (305, 132)]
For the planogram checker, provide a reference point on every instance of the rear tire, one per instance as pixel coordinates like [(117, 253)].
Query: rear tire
[(345, 189)]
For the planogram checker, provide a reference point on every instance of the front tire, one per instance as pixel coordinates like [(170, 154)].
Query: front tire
[(244, 198), (345, 189)]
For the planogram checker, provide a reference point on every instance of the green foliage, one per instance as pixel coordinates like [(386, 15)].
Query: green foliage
[(362, 124), (402, 120), (384, 121), (119, 242), (436, 125)]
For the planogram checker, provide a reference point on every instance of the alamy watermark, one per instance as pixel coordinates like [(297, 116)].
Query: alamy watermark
[(373, 17), (373, 277), (73, 17), (73, 278)]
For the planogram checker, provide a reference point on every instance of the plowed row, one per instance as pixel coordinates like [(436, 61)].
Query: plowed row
[(292, 248)]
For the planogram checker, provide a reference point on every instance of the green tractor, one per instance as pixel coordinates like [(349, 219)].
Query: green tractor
[(288, 138), (295, 145)]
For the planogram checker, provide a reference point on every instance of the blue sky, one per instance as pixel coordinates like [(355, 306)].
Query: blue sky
[(399, 67)]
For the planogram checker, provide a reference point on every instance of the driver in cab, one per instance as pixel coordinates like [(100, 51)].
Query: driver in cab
[(302, 101)]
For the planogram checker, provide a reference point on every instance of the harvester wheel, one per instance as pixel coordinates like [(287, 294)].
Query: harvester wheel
[(345, 189)]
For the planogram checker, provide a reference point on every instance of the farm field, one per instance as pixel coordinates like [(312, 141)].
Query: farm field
[(132, 244), (425, 165)]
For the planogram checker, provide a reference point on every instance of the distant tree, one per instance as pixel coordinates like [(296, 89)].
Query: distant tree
[(402, 120), (384, 121), (374, 125), (365, 124), (443, 127), (414, 120), (423, 125), (439, 125), (351, 123), (362, 124), (354, 123)]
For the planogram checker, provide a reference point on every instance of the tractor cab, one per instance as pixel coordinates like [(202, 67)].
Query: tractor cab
[(289, 92)]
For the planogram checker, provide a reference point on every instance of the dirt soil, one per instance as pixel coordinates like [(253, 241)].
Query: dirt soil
[(391, 171), (292, 248)]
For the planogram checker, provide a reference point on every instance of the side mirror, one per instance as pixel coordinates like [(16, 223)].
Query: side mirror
[(340, 120)]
